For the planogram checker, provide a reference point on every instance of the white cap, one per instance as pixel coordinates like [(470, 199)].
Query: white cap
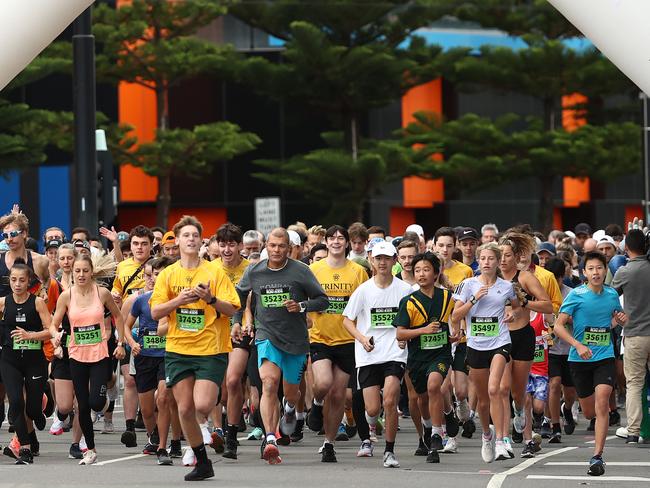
[(294, 238), (570, 233), (383, 249), (416, 228), (606, 240), (598, 235)]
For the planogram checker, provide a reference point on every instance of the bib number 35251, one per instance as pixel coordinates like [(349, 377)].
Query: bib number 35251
[(190, 319), (87, 335), (484, 327)]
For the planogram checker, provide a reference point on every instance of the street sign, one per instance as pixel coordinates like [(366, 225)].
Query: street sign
[(267, 214)]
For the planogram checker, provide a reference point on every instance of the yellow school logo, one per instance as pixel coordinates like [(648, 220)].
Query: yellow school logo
[(442, 367)]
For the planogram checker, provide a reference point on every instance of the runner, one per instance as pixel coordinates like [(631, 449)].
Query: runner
[(481, 301), (468, 242), (169, 247), (595, 309), (252, 243), (25, 325), (406, 251), (197, 299), (489, 233), (331, 345), (358, 240), (282, 291), (90, 365), (379, 359)]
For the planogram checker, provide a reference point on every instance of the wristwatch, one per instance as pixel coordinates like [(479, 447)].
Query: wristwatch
[(473, 300), (120, 344), (303, 306), (212, 301)]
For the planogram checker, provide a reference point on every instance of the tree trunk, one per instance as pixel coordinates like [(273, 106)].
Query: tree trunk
[(163, 201), (351, 135), (545, 215)]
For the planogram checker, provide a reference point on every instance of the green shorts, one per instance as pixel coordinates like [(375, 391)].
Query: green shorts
[(419, 372), (181, 366)]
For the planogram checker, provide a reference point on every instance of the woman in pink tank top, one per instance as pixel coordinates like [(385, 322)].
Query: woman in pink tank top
[(90, 365)]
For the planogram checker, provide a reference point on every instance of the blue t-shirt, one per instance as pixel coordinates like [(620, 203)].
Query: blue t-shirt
[(592, 319), (152, 345)]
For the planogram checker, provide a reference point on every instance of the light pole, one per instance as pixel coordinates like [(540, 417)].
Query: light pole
[(646, 157)]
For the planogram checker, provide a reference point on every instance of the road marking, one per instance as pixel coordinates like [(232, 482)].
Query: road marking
[(608, 438), (118, 460), (585, 478), (497, 480), (609, 463)]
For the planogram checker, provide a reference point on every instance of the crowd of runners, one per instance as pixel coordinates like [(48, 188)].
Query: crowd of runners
[(508, 335)]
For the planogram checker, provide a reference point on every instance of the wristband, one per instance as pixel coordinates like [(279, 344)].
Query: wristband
[(212, 301), (473, 300)]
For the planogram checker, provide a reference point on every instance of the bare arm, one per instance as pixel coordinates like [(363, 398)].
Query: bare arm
[(542, 302)]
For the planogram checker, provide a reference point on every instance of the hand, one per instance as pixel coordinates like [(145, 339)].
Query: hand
[(110, 234), (119, 352), (292, 306), (236, 333), (58, 352), (481, 292), (637, 224), (117, 298), (431, 328), (56, 340), (365, 342), (455, 336), (203, 291), (15, 209), (203, 251), (401, 344), (188, 295), (619, 318), (248, 329), (509, 316), (135, 347), (19, 334), (583, 351)]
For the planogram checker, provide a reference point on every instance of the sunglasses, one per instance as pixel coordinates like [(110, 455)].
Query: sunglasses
[(13, 233)]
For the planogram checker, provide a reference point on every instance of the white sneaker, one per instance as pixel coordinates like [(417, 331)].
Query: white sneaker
[(205, 432), (90, 457), (57, 426), (113, 392), (487, 446), (82, 444), (451, 447), (621, 432), (373, 434), (463, 411), (575, 411), (366, 449), (390, 460), (500, 451), (519, 421), (108, 427), (189, 459), (508, 445)]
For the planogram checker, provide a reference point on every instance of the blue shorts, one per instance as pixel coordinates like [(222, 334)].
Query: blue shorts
[(538, 386), (291, 365)]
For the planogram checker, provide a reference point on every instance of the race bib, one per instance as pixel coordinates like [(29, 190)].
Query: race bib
[(484, 327), (87, 335), (539, 353), (153, 341), (596, 336), (382, 318), (274, 297), (21, 318), (190, 319), (337, 305), (27, 345), (434, 341)]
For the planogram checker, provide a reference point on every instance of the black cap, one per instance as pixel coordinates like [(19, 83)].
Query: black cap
[(582, 229), (467, 233), (52, 243)]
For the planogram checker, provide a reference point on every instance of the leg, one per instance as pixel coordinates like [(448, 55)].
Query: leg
[(237, 361), (414, 407), (335, 402), (163, 418), (601, 401), (130, 398), (635, 361), (497, 372), (270, 375), (391, 399), (554, 395), (323, 375), (485, 391), (14, 381), (147, 407), (80, 379)]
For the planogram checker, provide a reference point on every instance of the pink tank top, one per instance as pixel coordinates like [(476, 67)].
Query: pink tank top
[(88, 337)]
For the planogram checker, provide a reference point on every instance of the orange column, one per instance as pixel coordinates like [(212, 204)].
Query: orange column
[(422, 192), (576, 190)]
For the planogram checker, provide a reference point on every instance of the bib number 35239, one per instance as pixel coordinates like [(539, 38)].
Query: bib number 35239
[(484, 327), (190, 319), (274, 297), (87, 335)]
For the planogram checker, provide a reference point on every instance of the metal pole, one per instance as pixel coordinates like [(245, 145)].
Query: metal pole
[(646, 158), (84, 176)]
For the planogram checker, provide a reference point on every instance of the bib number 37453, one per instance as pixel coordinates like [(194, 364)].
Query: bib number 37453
[(190, 319)]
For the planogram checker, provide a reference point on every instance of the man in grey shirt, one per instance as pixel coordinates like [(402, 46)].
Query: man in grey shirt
[(633, 281), (283, 290)]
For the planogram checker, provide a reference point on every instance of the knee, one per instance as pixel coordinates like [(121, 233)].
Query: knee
[(494, 392), (185, 410), (129, 382), (269, 385), (233, 383), (390, 403)]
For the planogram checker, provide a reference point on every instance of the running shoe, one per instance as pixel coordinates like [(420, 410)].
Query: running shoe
[(500, 451), (129, 439), (217, 440), (82, 444), (519, 420), (315, 418), (463, 411), (288, 422), (24, 456), (452, 424), (622, 432), (341, 434), (282, 439), (163, 458), (390, 460), (75, 452), (469, 427), (90, 457), (298, 431), (205, 433), (108, 427), (230, 452), (596, 466), (12, 449), (546, 431), (57, 427), (433, 456), (556, 438), (256, 434), (451, 447), (200, 472), (632, 439), (373, 433), (271, 453), (614, 418), (351, 430), (569, 421), (592, 425), (517, 437), (422, 449), (328, 454), (366, 449), (436, 443), (150, 449), (189, 458), (529, 450), (175, 450), (487, 446), (508, 446)]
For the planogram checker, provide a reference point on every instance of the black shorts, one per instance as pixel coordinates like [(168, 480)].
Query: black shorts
[(244, 344), (617, 340), (587, 375), (375, 374), (523, 344), (558, 365), (60, 369), (477, 359), (341, 356), (149, 371), (126, 360), (460, 356), (252, 370), (419, 371)]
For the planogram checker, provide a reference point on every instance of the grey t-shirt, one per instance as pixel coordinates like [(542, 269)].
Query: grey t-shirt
[(559, 347), (270, 288), (633, 281)]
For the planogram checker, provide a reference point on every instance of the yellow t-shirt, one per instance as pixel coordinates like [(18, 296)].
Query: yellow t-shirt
[(233, 274), (339, 284), (196, 329), (549, 283), (124, 271), (458, 272)]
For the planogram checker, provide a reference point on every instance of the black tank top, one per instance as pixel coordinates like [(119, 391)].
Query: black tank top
[(515, 281), (5, 289), (22, 315)]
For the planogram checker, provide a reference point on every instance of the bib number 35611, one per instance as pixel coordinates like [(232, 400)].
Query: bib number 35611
[(596, 336)]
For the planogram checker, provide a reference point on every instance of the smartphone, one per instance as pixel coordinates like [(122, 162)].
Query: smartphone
[(372, 341)]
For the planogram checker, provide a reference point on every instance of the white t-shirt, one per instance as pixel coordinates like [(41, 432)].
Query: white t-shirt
[(486, 329), (374, 309)]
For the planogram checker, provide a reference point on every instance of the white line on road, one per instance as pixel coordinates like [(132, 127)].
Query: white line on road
[(127, 458), (497, 480), (608, 438), (609, 463), (586, 478)]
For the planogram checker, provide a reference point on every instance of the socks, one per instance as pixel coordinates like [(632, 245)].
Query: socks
[(201, 454), (426, 423), (300, 415), (61, 416), (389, 446), (288, 408), (436, 429), (232, 431), (372, 421), (487, 435), (556, 429), (130, 425), (318, 403), (270, 437)]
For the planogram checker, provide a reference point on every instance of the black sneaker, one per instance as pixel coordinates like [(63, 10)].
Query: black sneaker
[(517, 437), (351, 430), (422, 449), (230, 452), (175, 450), (452, 424), (25, 456), (200, 472), (529, 450), (283, 440), (433, 456), (35, 447), (150, 448), (596, 466), (436, 443), (556, 438), (614, 418), (328, 455), (632, 439), (262, 447), (129, 438), (427, 437), (154, 438), (75, 452), (546, 430), (469, 427), (163, 458), (569, 421), (40, 422), (139, 421), (298, 431), (315, 418), (241, 427), (592, 425)]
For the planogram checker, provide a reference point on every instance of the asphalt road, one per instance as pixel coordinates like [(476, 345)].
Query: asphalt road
[(562, 465)]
